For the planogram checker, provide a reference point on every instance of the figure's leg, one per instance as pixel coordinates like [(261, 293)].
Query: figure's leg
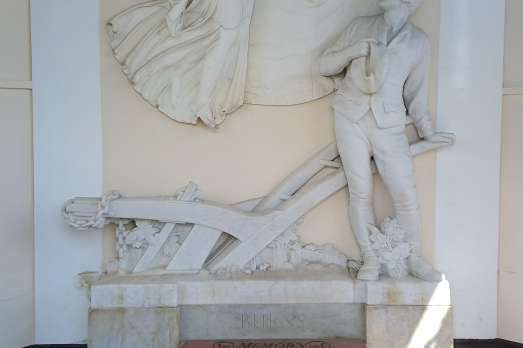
[(394, 161), (355, 152)]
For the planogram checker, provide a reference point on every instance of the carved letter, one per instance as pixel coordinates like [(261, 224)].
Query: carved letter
[(272, 320), (263, 322), (245, 322), (301, 323), (289, 321)]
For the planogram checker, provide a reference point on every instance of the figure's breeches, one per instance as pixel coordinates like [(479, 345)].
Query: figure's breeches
[(357, 143)]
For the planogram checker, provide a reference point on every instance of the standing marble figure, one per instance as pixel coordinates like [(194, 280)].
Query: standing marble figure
[(387, 60)]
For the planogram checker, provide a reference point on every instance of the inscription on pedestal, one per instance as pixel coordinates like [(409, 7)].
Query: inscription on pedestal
[(286, 344), (328, 343), (272, 322), (314, 321)]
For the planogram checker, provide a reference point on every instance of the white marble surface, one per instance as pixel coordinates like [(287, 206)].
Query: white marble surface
[(206, 40), (284, 321), (140, 293), (287, 40), (382, 65), (265, 232), (277, 287), (256, 288), (271, 61), (407, 291), (409, 327), (134, 328)]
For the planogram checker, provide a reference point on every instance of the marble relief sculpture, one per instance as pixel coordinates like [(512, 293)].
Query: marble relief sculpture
[(184, 233), (287, 40), (187, 57), (387, 60), (203, 59), (240, 270)]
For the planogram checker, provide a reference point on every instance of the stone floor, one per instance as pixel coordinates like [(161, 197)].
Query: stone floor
[(458, 344)]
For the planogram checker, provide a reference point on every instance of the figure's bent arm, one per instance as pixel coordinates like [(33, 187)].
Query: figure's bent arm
[(340, 55), (333, 63)]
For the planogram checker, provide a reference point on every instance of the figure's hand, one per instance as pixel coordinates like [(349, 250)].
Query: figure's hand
[(361, 48), (440, 137)]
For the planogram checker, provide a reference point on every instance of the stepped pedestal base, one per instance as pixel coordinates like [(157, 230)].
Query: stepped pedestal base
[(164, 310)]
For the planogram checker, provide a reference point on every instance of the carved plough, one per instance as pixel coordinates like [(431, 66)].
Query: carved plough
[(222, 235)]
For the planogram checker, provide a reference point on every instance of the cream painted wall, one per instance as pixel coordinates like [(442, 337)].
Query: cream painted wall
[(146, 153), (510, 302), (16, 180), (15, 43), (513, 76)]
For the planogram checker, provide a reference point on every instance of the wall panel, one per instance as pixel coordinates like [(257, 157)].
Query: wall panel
[(67, 160), (468, 174), (16, 216), (15, 42), (147, 153)]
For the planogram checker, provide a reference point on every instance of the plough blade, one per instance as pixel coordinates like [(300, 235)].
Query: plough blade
[(224, 235), (295, 206), (240, 253)]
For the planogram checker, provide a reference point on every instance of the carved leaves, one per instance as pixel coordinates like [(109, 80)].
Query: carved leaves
[(171, 245), (144, 232), (390, 247)]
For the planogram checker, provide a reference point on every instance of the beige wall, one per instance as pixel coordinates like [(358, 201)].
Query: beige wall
[(146, 153), (15, 49), (16, 181), (510, 303)]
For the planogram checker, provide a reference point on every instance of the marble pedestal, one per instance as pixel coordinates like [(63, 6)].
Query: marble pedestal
[(392, 313), (134, 328)]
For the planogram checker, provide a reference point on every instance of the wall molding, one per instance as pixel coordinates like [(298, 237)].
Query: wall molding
[(13, 84), (470, 104), (512, 90), (68, 160)]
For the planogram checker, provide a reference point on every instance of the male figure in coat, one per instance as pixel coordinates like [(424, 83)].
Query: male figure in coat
[(387, 60)]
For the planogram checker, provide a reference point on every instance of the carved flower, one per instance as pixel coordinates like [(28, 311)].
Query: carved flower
[(391, 228), (389, 246)]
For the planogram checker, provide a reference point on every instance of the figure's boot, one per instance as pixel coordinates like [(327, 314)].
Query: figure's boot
[(410, 222), (360, 218)]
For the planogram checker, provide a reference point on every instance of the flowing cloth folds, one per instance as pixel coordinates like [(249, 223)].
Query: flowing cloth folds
[(288, 39), (188, 60)]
